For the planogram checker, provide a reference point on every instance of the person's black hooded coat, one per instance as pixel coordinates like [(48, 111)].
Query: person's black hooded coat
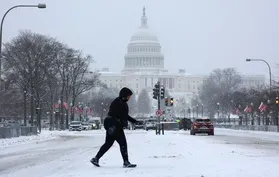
[(118, 114)]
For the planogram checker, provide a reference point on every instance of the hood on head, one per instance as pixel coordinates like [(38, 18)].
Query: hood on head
[(124, 93)]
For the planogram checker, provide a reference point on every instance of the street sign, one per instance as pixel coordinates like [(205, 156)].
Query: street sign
[(159, 112)]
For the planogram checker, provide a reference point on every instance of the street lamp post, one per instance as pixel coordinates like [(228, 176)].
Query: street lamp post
[(202, 110), (252, 115), (218, 107), (193, 109), (40, 6), (189, 112), (25, 108), (102, 110), (262, 60), (197, 111), (277, 107), (231, 107)]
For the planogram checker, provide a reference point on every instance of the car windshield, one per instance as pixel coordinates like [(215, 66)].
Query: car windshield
[(75, 122), (139, 122), (203, 120)]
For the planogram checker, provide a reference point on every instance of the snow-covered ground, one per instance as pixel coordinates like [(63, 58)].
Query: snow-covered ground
[(43, 136), (230, 153)]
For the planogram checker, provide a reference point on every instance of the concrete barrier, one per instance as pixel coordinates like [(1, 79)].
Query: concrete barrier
[(9, 132), (266, 128), (170, 125)]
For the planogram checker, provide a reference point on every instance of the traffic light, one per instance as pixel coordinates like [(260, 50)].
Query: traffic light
[(171, 101), (162, 93), (167, 101), (277, 101), (156, 91)]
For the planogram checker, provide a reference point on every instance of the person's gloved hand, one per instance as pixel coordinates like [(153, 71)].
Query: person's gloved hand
[(125, 123), (111, 130)]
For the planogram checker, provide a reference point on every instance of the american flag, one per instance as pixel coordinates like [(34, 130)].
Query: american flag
[(248, 109), (262, 107)]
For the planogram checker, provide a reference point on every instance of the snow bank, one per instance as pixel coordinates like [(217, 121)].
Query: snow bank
[(46, 135), (268, 136), (43, 136), (252, 132)]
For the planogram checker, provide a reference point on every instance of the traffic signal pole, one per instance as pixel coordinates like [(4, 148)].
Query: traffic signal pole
[(159, 93), (159, 107), (277, 109)]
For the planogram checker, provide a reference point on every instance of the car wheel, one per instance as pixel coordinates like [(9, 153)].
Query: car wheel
[(192, 133)]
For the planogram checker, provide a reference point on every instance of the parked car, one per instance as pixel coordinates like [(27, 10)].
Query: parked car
[(150, 124), (94, 124), (203, 125), (75, 126), (86, 126), (138, 125)]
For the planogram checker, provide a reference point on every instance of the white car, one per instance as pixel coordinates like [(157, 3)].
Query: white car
[(75, 126), (150, 125), (94, 126), (86, 126)]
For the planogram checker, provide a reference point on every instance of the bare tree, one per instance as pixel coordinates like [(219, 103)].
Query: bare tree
[(17, 59), (144, 102), (64, 64), (101, 101), (42, 71), (12, 101), (217, 88), (82, 79), (132, 103), (18, 85), (180, 106), (30, 55)]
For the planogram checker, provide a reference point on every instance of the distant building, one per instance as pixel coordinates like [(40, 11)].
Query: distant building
[(144, 66)]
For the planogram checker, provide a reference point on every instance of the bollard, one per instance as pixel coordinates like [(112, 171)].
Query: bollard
[(158, 129), (156, 132)]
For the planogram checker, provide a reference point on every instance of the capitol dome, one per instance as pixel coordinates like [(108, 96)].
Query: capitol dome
[(144, 50), (143, 35)]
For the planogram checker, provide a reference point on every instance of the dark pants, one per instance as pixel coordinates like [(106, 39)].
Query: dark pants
[(119, 136)]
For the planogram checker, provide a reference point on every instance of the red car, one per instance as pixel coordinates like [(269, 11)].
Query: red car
[(203, 125)]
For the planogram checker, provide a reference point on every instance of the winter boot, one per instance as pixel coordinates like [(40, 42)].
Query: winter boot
[(127, 164), (95, 162)]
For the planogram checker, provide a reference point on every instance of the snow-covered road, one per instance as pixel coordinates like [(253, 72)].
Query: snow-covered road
[(230, 153)]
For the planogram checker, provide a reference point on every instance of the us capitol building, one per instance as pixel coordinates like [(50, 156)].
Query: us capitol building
[(144, 66)]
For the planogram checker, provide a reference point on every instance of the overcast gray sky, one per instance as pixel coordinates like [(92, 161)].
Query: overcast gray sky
[(198, 35)]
